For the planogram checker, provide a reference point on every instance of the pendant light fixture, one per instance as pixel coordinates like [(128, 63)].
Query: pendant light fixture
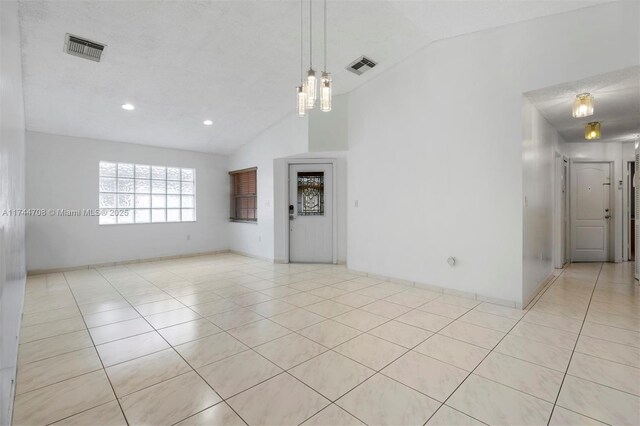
[(301, 94), (311, 74), (325, 82), (583, 105), (307, 92), (301, 99), (592, 131)]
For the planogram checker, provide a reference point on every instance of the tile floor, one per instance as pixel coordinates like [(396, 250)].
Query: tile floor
[(226, 340)]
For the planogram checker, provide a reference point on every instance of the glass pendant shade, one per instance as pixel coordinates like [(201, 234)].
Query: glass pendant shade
[(583, 105), (592, 131), (325, 92), (301, 101), (310, 88)]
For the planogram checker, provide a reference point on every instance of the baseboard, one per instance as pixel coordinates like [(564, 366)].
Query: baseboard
[(123, 262), (444, 290), (5, 416), (543, 284), (283, 261), (253, 256)]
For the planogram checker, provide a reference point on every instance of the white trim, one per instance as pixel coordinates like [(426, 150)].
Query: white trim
[(127, 262), (539, 289), (560, 255), (626, 213), (453, 292), (252, 256)]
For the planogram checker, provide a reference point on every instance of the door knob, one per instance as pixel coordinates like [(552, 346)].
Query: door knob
[(607, 216)]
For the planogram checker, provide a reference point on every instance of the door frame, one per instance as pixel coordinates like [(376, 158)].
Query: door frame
[(626, 213), (334, 213), (562, 214), (611, 235)]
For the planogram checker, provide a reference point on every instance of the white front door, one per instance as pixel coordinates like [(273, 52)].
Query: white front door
[(311, 213), (590, 212)]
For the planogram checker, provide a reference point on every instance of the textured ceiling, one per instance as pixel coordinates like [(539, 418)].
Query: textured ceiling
[(234, 62), (616, 106)]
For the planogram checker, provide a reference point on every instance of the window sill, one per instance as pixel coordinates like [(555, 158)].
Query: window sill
[(252, 222)]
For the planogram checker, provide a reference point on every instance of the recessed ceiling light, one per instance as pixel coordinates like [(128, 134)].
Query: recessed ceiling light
[(207, 122), (128, 107)]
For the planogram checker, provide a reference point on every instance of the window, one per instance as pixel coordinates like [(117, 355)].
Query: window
[(136, 193), (310, 193), (244, 207)]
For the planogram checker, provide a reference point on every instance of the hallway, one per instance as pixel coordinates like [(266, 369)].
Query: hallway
[(227, 339)]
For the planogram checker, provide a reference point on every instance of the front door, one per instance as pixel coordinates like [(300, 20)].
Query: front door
[(590, 212), (311, 213)]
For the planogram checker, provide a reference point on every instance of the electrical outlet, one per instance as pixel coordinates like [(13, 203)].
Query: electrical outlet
[(188, 237), (356, 203)]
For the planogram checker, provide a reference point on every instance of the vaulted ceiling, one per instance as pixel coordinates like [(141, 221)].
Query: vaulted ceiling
[(233, 62)]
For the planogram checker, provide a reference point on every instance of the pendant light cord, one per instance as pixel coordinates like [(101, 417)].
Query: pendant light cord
[(311, 34), (301, 41), (325, 36)]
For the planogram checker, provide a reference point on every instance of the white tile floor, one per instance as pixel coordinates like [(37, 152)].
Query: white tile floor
[(226, 340)]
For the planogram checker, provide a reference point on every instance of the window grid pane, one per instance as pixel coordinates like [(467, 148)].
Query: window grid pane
[(135, 193)]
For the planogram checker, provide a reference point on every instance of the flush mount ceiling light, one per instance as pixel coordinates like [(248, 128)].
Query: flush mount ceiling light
[(207, 122), (592, 131), (583, 105), (128, 107), (307, 92)]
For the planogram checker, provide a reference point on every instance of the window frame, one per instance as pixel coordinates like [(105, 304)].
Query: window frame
[(150, 193), (234, 197)]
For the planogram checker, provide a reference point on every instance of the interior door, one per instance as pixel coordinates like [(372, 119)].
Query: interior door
[(311, 213), (590, 212)]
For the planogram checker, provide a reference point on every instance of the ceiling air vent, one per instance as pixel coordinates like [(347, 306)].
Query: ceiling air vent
[(361, 65), (83, 48)]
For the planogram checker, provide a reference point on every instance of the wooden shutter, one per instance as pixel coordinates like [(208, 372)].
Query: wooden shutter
[(245, 183), (244, 194)]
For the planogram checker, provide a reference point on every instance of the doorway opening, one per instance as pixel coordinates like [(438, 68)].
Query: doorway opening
[(631, 211), (561, 246)]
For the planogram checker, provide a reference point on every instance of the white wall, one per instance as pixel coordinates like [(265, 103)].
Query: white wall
[(328, 131), (62, 173), (287, 137), (435, 147), (540, 143), (12, 240)]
